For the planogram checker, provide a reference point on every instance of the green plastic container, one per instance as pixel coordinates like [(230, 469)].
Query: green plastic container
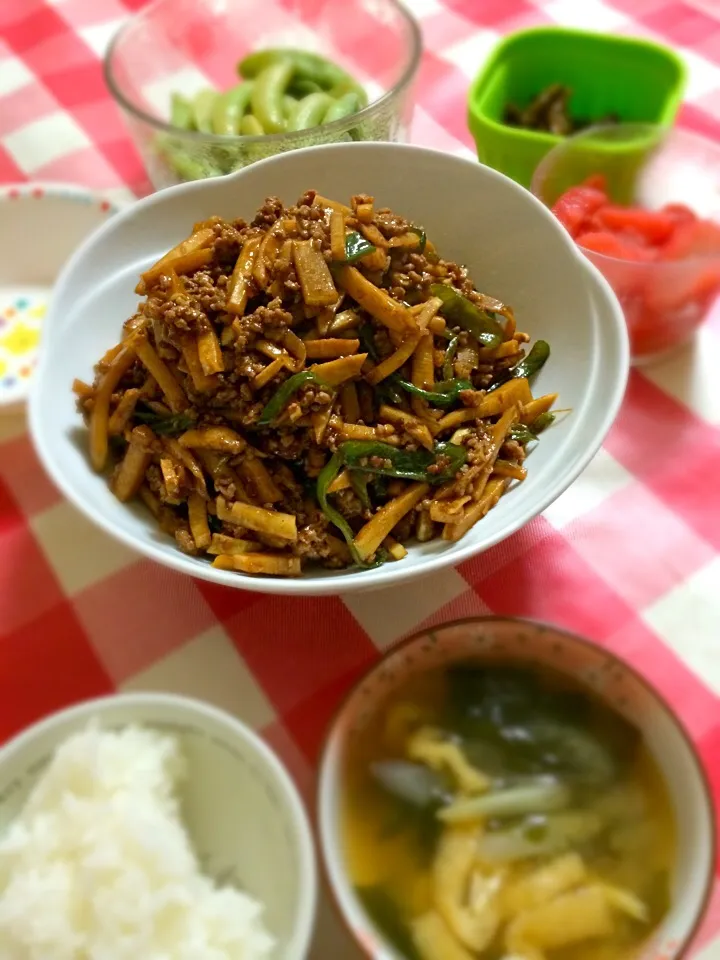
[(639, 81)]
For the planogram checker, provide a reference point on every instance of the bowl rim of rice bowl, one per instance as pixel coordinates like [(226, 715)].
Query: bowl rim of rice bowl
[(167, 713)]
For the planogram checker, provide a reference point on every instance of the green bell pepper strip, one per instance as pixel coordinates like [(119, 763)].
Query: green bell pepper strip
[(359, 483), (450, 351), (463, 313), (404, 464), (444, 394), (542, 421), (279, 400), (422, 238), (356, 246), (527, 367), (165, 426), (367, 340), (525, 434), (267, 96), (328, 473)]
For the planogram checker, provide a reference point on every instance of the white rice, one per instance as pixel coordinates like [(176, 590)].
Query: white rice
[(98, 866)]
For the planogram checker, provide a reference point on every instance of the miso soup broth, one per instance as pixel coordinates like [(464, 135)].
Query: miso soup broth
[(500, 812)]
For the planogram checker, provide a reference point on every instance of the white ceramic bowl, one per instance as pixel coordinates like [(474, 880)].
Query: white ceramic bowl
[(484, 640), (243, 812), (40, 226), (515, 250)]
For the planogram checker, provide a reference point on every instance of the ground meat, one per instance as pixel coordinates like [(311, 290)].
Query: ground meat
[(269, 212), (348, 503), (227, 243), (313, 542), (184, 539), (390, 224), (512, 450)]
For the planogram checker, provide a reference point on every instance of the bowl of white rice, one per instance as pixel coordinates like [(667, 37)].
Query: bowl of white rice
[(150, 826)]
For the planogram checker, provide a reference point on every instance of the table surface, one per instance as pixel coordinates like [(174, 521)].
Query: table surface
[(629, 556)]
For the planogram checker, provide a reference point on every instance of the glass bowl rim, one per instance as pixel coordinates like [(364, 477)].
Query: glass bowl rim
[(290, 137)]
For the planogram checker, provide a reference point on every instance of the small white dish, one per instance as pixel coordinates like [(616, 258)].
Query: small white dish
[(241, 808), (514, 248), (484, 640), (41, 224)]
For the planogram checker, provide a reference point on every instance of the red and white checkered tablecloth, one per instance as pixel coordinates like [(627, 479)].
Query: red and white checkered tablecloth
[(629, 556)]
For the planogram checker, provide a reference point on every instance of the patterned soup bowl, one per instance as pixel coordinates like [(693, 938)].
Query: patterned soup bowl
[(587, 668)]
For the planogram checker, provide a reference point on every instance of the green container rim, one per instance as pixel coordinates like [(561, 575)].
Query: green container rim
[(482, 79)]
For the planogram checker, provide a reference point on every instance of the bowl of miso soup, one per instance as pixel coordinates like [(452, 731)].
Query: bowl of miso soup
[(497, 789)]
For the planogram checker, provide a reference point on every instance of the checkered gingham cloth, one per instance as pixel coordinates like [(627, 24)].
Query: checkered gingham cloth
[(629, 556)]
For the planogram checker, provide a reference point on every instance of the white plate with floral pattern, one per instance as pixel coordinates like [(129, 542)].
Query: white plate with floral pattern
[(41, 224)]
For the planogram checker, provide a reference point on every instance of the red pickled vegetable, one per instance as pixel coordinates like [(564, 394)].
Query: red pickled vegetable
[(697, 238), (576, 205), (598, 181), (613, 245), (653, 226)]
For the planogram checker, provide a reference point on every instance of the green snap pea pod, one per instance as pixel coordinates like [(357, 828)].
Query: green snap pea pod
[(267, 96), (301, 87), (444, 394), (356, 246), (203, 105), (181, 113), (345, 106), (289, 104), (527, 367), (463, 313), (230, 107), (277, 403), (185, 166), (450, 352), (309, 111), (305, 66), (350, 86), (250, 126)]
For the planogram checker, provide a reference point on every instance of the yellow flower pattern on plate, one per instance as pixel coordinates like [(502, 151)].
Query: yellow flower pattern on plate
[(21, 316)]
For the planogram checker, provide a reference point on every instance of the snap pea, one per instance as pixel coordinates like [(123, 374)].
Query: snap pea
[(230, 107), (348, 85), (250, 126), (181, 114), (289, 104), (345, 106), (309, 111), (203, 104), (267, 95), (463, 313), (304, 66), (301, 87)]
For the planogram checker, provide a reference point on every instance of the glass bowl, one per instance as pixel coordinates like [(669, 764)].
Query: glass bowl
[(664, 301), (181, 46)]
